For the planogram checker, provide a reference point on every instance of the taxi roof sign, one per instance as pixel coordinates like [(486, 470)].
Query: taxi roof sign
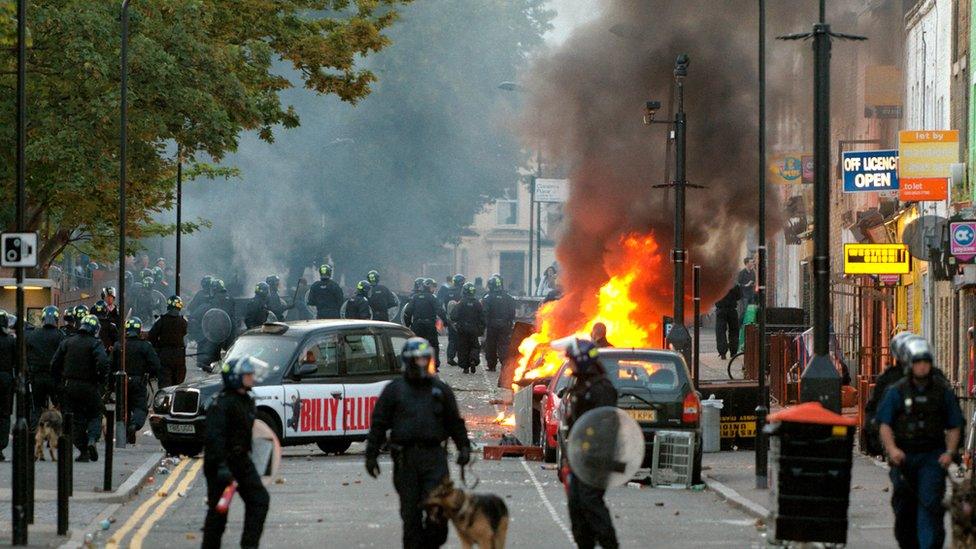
[(876, 259)]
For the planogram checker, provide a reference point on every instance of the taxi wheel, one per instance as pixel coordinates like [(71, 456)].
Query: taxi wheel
[(271, 421), (334, 446)]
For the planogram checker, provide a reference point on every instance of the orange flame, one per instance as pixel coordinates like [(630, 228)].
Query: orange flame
[(631, 303), (503, 419)]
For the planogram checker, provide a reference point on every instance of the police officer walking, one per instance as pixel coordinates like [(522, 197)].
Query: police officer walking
[(357, 306), (421, 314), (199, 305), (500, 312), (108, 331), (275, 304), (141, 364), (82, 363), (8, 361), (168, 337), (450, 297), (381, 299), (468, 318), (257, 309), (421, 413), (325, 295), (41, 346), (226, 457), (588, 513), (920, 425)]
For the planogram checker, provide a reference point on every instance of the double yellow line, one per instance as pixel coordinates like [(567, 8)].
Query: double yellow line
[(165, 497)]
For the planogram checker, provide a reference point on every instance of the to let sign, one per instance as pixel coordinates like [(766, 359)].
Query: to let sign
[(866, 171), (876, 259), (924, 158)]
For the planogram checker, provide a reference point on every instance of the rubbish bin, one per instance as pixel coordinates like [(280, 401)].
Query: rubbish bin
[(711, 422), (811, 453)]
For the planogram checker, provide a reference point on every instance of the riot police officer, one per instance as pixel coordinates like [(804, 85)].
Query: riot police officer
[(108, 296), (421, 314), (146, 301), (41, 346), (588, 513), (199, 305), (108, 332), (257, 309), (500, 313), (421, 413), (8, 361), (226, 457), (81, 362), (357, 306), (168, 337), (68, 328), (381, 299), (920, 425), (209, 351), (275, 304), (81, 312), (141, 364), (468, 319), (450, 297), (325, 295)]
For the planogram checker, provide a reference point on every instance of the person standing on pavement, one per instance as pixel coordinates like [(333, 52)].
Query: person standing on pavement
[(746, 279), (421, 413), (920, 425), (82, 363), (141, 365), (226, 457), (499, 309), (468, 319), (8, 363), (381, 299), (325, 295), (168, 337), (588, 513), (41, 346), (727, 323), (421, 314)]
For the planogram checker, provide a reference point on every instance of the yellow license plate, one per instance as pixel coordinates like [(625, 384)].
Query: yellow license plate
[(643, 415)]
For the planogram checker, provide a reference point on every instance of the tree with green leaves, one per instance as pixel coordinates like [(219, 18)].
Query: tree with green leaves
[(200, 73)]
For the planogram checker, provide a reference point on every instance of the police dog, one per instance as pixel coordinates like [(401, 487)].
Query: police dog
[(962, 509), (480, 519), (49, 427)]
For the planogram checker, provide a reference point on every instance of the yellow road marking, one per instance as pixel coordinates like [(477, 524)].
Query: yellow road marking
[(160, 510), (153, 499)]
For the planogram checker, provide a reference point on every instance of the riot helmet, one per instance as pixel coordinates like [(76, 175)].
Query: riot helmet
[(418, 359), (325, 271), (261, 289), (362, 288), (205, 283), (80, 312), (584, 356), (373, 277), (108, 291), (273, 282), (234, 370), (494, 284), (133, 327), (145, 273), (458, 280), (100, 309), (148, 282), (418, 284), (158, 274), (4, 319), (49, 316), (897, 344), (917, 349), (430, 285), (69, 315), (89, 325), (217, 285), (469, 289), (174, 302)]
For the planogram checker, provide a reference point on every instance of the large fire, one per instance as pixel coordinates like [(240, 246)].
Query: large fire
[(631, 303)]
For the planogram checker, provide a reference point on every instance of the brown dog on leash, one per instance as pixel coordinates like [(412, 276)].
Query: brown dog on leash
[(480, 519), (49, 427)]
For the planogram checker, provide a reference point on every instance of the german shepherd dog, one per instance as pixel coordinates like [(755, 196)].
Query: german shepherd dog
[(962, 509), (480, 519), (49, 427)]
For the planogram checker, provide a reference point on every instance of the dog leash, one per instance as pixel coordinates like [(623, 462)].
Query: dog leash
[(464, 480)]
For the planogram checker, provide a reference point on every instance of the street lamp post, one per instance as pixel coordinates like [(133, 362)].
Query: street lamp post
[(179, 218), (762, 408)]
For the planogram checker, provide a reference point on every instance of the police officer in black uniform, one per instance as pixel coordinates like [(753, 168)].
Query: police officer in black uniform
[(275, 304), (199, 305), (41, 346), (325, 295), (420, 412), (209, 351), (257, 309), (920, 426), (226, 457), (81, 312), (468, 318), (168, 337), (68, 328), (357, 306), (108, 331), (381, 299), (8, 361), (141, 365), (144, 299), (421, 314), (588, 513), (81, 362), (500, 312), (449, 295)]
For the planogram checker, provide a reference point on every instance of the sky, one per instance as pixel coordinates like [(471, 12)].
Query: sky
[(569, 14)]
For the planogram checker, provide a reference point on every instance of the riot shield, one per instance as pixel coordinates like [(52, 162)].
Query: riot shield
[(216, 326), (605, 447), (271, 317), (265, 451)]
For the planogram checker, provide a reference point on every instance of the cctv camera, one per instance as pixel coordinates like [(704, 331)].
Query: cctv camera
[(650, 109)]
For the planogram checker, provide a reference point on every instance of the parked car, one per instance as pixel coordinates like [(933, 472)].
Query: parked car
[(323, 379), (653, 386)]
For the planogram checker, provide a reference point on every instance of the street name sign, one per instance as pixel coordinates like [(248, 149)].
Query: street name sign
[(867, 171), (19, 250), (876, 259), (551, 190)]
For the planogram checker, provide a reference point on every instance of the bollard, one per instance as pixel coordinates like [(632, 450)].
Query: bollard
[(64, 479), (19, 522), (109, 435), (121, 380), (68, 429)]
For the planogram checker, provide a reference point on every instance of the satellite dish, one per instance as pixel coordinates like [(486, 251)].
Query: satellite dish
[(925, 234)]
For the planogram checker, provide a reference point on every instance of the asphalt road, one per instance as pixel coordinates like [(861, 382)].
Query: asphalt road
[(329, 501)]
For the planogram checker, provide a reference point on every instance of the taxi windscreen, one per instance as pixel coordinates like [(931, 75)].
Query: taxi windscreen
[(642, 373), (276, 351)]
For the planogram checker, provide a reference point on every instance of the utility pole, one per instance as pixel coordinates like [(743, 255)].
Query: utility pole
[(762, 408), (179, 217), (123, 150), (679, 338)]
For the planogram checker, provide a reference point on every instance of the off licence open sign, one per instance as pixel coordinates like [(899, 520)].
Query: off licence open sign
[(870, 171)]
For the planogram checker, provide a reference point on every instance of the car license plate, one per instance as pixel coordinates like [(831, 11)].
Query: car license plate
[(643, 415), (183, 428)]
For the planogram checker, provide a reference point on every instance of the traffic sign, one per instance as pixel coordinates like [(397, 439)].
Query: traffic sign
[(19, 250), (869, 171), (876, 259), (962, 240)]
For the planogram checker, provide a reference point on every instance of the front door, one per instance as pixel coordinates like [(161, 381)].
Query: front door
[(314, 404)]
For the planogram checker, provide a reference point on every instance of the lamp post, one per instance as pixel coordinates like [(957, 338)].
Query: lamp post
[(762, 407), (179, 218), (535, 230)]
